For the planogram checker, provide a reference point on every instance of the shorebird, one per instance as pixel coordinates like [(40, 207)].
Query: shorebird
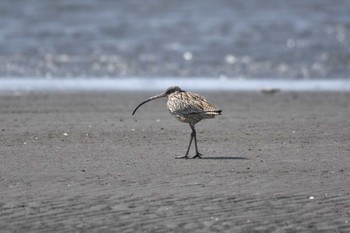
[(188, 108)]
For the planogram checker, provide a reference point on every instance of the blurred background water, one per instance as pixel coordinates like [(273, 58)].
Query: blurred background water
[(223, 39)]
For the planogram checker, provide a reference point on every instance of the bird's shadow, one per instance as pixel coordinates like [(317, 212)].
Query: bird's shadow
[(224, 158)]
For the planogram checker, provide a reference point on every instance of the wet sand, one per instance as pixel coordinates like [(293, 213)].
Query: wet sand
[(76, 162)]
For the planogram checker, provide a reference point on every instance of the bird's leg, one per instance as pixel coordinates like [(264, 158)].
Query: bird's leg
[(189, 146), (198, 155)]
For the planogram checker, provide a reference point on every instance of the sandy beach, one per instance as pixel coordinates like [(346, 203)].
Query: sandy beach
[(79, 162)]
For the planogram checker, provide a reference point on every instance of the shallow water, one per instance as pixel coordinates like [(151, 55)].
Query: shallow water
[(254, 39)]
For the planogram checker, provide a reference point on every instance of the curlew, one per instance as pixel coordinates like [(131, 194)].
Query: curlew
[(188, 108)]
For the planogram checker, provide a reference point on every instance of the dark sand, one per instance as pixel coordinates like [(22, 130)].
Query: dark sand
[(80, 162)]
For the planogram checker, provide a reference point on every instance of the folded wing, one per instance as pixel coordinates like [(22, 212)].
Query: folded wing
[(188, 103)]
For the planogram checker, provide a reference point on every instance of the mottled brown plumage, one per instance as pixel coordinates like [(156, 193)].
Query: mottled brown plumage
[(187, 107), (190, 107)]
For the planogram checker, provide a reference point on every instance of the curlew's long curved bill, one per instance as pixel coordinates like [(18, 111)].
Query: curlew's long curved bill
[(152, 98)]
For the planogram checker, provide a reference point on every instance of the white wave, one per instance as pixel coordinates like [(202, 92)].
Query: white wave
[(150, 84)]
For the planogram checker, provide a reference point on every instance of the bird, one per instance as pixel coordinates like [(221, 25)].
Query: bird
[(188, 108)]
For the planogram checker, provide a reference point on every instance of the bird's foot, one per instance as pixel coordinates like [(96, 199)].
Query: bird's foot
[(198, 155), (182, 157)]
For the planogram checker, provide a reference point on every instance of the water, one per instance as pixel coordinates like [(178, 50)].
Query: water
[(222, 39)]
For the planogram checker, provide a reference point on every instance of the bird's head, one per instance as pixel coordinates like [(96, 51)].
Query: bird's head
[(172, 90), (168, 92)]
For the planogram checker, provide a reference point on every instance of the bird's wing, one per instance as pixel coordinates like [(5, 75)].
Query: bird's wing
[(187, 103)]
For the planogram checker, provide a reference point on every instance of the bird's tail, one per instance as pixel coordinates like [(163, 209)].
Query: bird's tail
[(214, 112)]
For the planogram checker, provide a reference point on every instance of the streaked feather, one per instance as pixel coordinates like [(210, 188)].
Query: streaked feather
[(191, 107)]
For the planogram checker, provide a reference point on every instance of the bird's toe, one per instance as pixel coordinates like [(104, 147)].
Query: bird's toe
[(198, 155)]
